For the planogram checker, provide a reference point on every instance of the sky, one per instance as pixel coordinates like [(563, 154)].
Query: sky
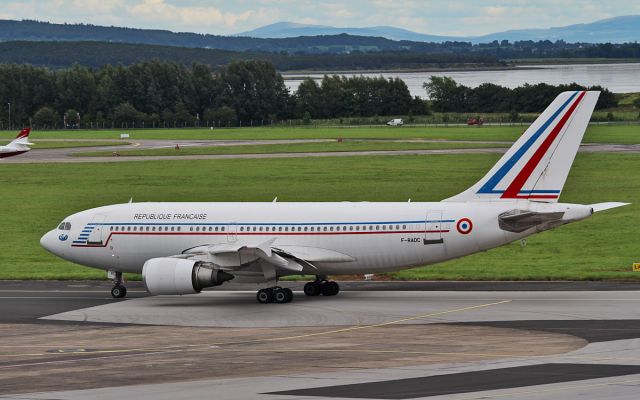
[(458, 17)]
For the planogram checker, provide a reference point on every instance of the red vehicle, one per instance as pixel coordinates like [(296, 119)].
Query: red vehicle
[(475, 121)]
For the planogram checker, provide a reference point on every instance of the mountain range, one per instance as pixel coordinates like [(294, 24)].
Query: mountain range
[(614, 30)]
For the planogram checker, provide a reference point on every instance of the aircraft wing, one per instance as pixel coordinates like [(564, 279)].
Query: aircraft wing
[(289, 258)]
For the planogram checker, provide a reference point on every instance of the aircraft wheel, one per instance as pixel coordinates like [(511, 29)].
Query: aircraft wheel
[(289, 294), (265, 296), (313, 288), (330, 288), (118, 291), (281, 296)]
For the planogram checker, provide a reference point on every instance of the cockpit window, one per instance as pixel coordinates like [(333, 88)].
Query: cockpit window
[(67, 226), (61, 227)]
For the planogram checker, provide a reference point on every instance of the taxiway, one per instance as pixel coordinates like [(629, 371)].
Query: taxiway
[(483, 341)]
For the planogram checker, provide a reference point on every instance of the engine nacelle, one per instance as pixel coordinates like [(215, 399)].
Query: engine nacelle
[(177, 276)]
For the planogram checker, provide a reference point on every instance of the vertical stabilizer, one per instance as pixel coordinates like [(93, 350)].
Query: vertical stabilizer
[(537, 165)]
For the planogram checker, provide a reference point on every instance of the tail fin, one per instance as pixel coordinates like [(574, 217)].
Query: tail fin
[(22, 139), (537, 165)]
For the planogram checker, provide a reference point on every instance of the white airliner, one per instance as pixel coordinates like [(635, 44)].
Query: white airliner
[(181, 248), (18, 145)]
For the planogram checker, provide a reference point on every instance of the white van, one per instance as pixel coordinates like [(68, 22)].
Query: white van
[(396, 122)]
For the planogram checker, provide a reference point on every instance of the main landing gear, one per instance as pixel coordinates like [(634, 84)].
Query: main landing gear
[(274, 295), (321, 286), (118, 291)]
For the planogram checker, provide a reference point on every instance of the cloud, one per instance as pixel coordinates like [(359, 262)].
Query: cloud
[(186, 16), (440, 17)]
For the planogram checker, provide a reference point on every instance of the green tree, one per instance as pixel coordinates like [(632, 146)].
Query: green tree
[(306, 118), (445, 94), (71, 118), (125, 113), (46, 118), (224, 115)]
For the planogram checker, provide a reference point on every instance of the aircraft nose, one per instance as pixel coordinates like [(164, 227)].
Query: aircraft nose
[(51, 242)]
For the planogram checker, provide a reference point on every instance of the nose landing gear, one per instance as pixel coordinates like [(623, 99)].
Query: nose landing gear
[(118, 291)]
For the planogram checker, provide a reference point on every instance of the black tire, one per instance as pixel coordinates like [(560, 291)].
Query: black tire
[(280, 296), (312, 289), (335, 288), (118, 292), (330, 288), (289, 294), (265, 296)]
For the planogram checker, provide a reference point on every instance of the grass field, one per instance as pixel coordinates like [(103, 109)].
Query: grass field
[(595, 133), (332, 146), (36, 197)]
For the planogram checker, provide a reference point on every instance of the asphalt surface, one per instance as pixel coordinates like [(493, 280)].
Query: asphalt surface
[(380, 340), (67, 155)]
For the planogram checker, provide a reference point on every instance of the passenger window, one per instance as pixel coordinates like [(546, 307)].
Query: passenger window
[(242, 229), (173, 228), (280, 229), (404, 227), (128, 228), (222, 229)]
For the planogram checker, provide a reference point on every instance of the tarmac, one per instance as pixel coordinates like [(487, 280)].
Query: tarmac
[(378, 340)]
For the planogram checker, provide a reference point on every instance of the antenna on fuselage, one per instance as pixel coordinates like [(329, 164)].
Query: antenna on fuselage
[(275, 199), (130, 200)]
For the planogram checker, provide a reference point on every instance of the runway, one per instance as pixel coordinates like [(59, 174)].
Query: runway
[(67, 155), (374, 340)]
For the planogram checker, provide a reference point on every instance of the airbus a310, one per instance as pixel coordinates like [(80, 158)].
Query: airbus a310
[(182, 248)]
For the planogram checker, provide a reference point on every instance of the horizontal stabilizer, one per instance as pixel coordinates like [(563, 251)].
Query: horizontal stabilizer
[(607, 206), (521, 220)]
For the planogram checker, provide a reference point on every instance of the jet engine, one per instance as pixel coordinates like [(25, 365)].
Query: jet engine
[(177, 276)]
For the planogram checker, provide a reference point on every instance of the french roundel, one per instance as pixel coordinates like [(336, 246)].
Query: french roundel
[(464, 226)]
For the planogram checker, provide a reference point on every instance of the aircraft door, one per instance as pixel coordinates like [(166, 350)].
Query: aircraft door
[(98, 232), (433, 228), (232, 233)]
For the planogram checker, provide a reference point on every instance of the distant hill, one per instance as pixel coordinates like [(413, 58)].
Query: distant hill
[(615, 30), (291, 29)]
